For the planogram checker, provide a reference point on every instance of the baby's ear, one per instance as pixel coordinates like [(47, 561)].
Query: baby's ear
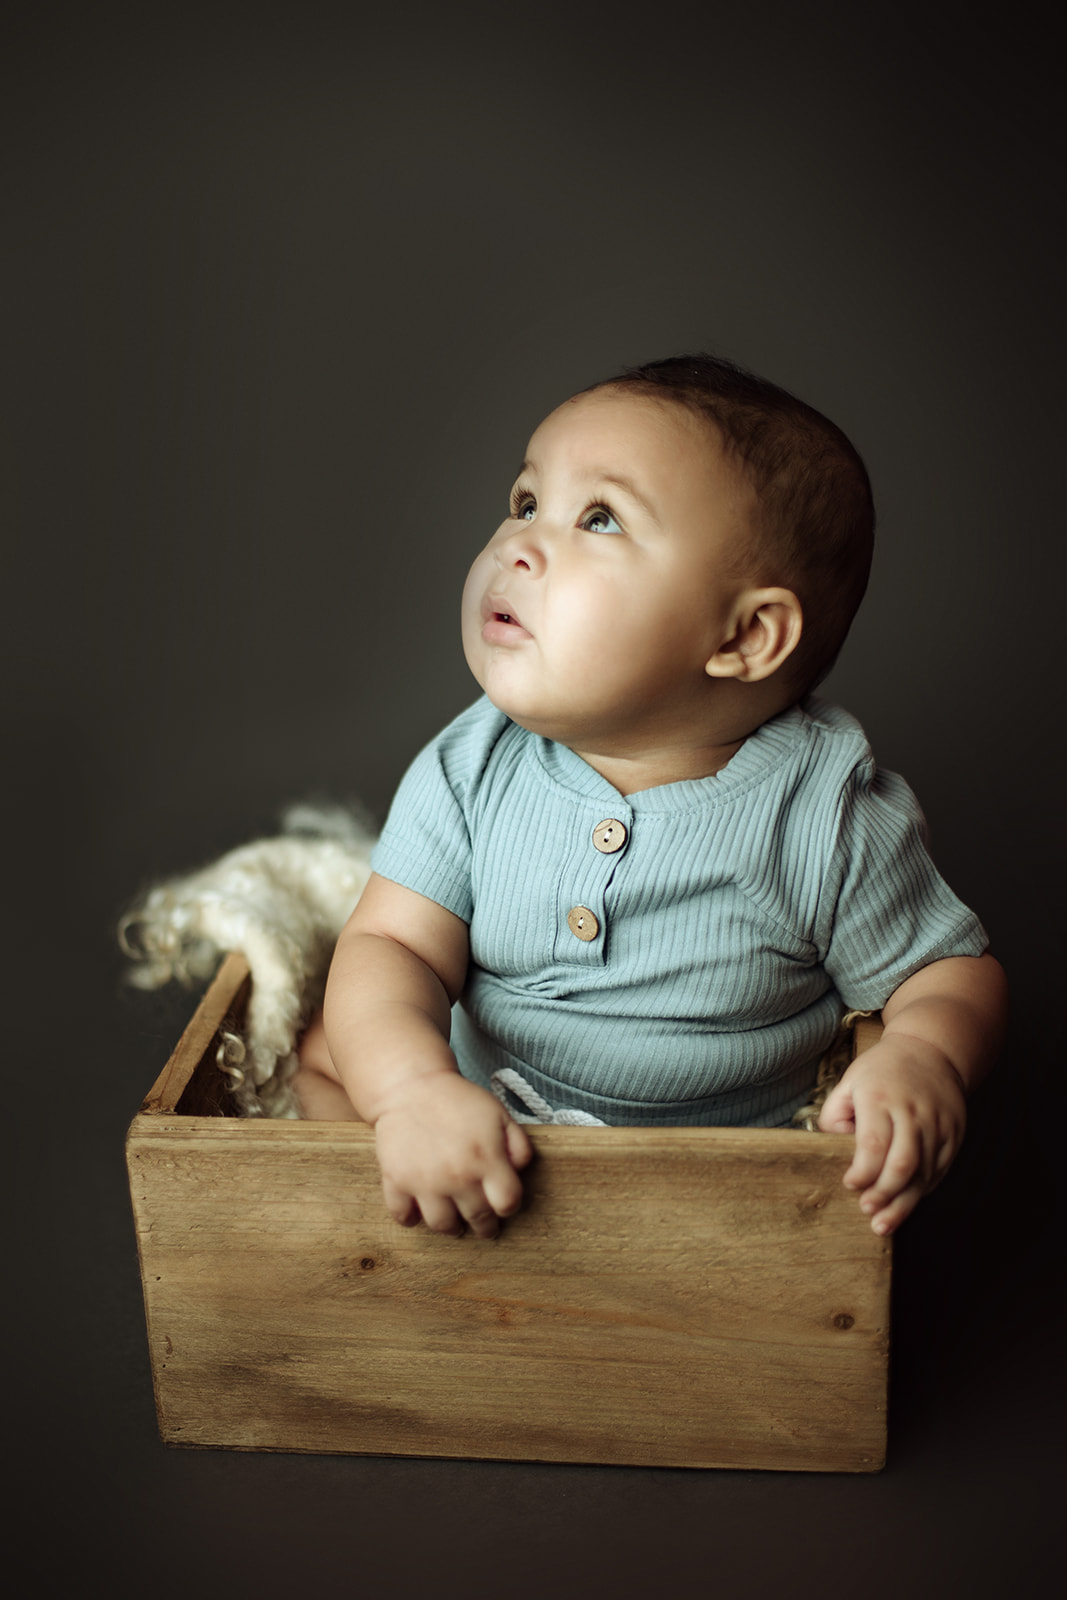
[(768, 624)]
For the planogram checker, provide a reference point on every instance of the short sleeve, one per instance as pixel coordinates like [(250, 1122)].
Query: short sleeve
[(887, 912), (425, 844)]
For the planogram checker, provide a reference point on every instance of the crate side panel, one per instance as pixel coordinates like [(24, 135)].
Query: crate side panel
[(693, 1300)]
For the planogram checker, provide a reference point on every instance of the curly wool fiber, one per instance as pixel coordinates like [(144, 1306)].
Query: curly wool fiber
[(282, 902)]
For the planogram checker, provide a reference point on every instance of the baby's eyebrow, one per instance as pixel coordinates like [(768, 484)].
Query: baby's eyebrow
[(627, 485), (630, 488)]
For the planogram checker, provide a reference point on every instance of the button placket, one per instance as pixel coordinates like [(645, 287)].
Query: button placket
[(592, 864)]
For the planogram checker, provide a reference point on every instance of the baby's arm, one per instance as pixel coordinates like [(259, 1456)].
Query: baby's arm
[(905, 1097), (447, 1149)]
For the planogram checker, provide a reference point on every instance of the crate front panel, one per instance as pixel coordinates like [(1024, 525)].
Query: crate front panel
[(694, 1297)]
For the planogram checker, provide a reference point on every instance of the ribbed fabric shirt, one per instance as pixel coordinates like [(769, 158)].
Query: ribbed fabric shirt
[(739, 918)]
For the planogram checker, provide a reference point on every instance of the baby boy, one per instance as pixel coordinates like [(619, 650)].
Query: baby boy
[(652, 870)]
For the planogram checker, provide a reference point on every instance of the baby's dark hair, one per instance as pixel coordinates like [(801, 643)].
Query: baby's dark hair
[(816, 527)]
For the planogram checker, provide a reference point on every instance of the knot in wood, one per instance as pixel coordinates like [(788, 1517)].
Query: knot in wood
[(368, 1263), (843, 1320)]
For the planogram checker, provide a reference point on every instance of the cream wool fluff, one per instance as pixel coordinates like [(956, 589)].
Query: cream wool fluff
[(282, 902)]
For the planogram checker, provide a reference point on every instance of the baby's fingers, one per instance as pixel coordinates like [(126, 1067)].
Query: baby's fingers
[(475, 1210), (520, 1150), (838, 1115), (441, 1214), (402, 1207), (890, 1167), (500, 1192), (888, 1218), (479, 1205), (874, 1139), (907, 1173), (503, 1190)]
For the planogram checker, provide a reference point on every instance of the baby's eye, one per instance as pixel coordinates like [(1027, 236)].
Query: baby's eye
[(600, 520), (524, 508)]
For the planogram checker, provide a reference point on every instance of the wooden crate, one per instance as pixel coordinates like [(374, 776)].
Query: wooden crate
[(700, 1297)]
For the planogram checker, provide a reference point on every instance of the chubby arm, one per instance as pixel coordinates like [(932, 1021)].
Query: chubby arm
[(447, 1149), (905, 1097)]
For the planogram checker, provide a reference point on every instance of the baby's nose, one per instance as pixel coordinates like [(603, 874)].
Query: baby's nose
[(521, 550)]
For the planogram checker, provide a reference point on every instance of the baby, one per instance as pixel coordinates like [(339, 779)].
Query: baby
[(652, 871)]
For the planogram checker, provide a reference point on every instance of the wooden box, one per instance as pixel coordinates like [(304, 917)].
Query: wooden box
[(699, 1297)]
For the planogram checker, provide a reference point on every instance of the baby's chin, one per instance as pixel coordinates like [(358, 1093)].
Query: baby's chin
[(500, 678), (536, 719), (512, 705)]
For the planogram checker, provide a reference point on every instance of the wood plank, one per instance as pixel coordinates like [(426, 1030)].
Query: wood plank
[(668, 1296), (223, 997), (867, 1032), (697, 1297)]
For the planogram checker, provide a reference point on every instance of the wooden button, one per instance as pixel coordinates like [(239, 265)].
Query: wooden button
[(609, 836), (582, 923)]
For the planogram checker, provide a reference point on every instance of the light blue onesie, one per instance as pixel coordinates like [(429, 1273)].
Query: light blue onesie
[(681, 955)]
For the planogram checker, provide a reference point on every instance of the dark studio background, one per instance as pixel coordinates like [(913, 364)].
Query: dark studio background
[(289, 286)]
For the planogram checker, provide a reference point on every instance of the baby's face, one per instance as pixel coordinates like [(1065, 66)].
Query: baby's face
[(591, 613)]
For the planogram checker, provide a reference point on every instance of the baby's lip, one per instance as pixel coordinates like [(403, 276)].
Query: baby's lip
[(499, 607)]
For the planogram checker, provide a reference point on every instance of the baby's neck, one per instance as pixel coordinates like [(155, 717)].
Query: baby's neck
[(630, 774), (669, 744), (667, 754)]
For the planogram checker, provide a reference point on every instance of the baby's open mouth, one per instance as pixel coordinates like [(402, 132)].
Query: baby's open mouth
[(497, 610)]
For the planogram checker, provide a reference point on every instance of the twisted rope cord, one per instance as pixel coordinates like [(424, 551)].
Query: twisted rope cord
[(508, 1079)]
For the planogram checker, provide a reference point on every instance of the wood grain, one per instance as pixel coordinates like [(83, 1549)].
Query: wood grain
[(668, 1296), (190, 1078)]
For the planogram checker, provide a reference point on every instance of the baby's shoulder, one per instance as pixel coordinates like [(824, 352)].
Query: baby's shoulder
[(840, 755), (823, 748), (463, 750), (832, 725)]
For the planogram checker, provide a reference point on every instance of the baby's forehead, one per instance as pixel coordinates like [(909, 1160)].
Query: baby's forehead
[(658, 445), (662, 454), (617, 413)]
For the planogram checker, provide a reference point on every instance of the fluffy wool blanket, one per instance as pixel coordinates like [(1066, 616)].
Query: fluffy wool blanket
[(282, 902)]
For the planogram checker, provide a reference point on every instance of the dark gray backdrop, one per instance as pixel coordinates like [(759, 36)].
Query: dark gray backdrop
[(290, 286)]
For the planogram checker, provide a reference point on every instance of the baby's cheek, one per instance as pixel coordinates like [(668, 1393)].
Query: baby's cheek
[(471, 611), (473, 587), (587, 626)]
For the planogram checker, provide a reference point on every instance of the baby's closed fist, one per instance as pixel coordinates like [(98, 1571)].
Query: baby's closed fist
[(450, 1155)]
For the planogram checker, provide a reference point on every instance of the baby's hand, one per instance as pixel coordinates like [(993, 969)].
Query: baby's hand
[(906, 1105), (449, 1153)]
